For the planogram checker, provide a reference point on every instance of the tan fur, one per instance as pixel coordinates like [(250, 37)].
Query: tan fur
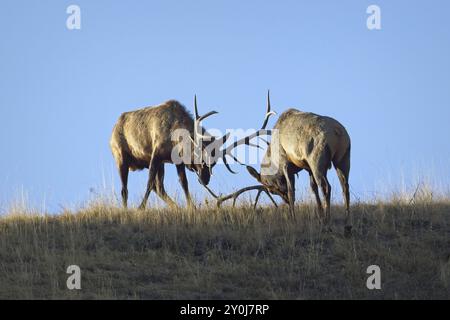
[(142, 139), (139, 135), (310, 142), (304, 137)]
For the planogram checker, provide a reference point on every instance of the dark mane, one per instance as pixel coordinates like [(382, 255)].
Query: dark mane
[(177, 104)]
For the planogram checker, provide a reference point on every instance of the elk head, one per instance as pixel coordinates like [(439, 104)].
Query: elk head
[(204, 148), (271, 177), (275, 183)]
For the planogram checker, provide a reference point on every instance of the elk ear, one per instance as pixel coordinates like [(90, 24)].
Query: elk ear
[(254, 173)]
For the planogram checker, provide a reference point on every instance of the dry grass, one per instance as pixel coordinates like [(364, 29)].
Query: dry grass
[(228, 253)]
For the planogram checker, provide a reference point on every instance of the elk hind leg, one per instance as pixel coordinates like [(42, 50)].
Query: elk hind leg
[(153, 170), (184, 184), (343, 171)]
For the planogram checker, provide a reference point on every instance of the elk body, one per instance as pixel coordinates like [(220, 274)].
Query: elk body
[(144, 139), (304, 141)]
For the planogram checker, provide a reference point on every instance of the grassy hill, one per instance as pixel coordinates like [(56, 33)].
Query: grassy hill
[(227, 254)]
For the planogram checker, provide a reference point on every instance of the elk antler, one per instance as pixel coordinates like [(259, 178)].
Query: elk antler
[(268, 111), (208, 189), (236, 194), (246, 140), (268, 114), (198, 132)]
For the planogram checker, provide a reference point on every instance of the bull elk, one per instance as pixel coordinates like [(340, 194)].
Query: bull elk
[(305, 141), (144, 139)]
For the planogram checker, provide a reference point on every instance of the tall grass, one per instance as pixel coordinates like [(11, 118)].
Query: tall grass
[(229, 253)]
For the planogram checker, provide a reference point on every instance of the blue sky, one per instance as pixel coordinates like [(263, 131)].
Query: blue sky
[(61, 91)]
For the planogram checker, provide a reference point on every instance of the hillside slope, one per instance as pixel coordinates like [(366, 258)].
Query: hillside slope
[(227, 254)]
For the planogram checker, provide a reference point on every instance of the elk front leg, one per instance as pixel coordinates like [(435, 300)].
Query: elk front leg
[(160, 191), (184, 184), (326, 190), (290, 180), (153, 170), (123, 170), (315, 189)]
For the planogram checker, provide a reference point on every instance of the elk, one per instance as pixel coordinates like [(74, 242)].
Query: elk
[(305, 141), (143, 139)]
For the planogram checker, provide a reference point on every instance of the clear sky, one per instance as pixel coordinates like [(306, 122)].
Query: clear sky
[(61, 91)]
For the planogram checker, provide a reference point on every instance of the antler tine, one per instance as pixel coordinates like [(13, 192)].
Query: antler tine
[(227, 165), (270, 197), (198, 119), (208, 189), (268, 194), (257, 198), (236, 194), (214, 146), (265, 141), (268, 111), (206, 116), (197, 135), (196, 108), (246, 140)]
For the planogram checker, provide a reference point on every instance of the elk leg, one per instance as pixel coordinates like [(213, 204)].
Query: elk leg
[(326, 190), (322, 180), (343, 170), (160, 191), (123, 170), (153, 170), (319, 170), (184, 184), (290, 179), (315, 189)]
